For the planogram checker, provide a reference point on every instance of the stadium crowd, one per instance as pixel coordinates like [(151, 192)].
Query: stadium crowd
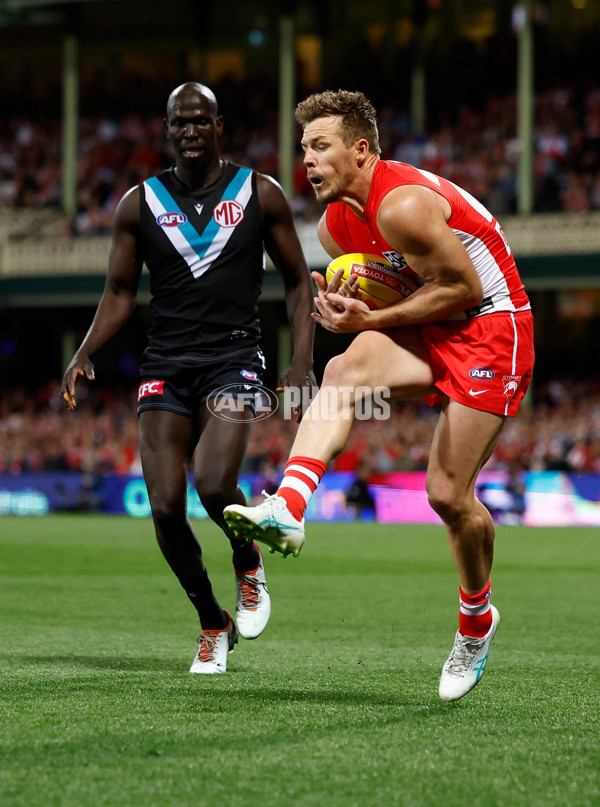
[(559, 430), (477, 149)]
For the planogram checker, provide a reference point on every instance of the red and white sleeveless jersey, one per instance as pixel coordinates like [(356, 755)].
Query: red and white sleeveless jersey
[(473, 224)]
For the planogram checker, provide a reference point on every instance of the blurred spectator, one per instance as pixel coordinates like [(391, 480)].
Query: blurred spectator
[(515, 488), (359, 499)]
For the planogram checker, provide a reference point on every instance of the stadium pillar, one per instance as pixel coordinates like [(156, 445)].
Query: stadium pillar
[(417, 94), (70, 115), (522, 24), (287, 83), (421, 13)]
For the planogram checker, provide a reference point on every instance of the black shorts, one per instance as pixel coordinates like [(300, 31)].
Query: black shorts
[(183, 384)]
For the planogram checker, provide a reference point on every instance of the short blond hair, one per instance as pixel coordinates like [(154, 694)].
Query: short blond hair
[(357, 115)]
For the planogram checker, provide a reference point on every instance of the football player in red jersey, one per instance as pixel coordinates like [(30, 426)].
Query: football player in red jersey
[(201, 228), (464, 339)]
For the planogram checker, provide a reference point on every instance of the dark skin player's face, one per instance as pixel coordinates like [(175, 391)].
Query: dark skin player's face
[(193, 126)]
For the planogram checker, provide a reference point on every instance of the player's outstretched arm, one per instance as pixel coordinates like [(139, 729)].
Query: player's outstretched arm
[(118, 299)]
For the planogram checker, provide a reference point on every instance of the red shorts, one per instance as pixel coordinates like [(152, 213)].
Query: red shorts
[(485, 362)]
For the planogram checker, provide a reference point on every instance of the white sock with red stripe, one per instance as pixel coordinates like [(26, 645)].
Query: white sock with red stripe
[(300, 480), (475, 614)]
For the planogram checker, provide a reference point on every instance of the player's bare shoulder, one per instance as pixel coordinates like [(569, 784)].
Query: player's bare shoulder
[(127, 212), (411, 217), (408, 205), (271, 196)]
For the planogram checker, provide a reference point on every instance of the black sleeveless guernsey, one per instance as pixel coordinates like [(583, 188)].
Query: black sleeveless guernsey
[(204, 251)]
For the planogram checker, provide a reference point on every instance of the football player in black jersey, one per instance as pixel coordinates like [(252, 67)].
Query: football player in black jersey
[(201, 228)]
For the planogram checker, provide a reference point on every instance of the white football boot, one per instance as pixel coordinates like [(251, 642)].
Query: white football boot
[(270, 522), (466, 663), (213, 649), (253, 604)]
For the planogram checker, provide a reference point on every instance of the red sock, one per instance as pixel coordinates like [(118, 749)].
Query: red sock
[(475, 614), (300, 480)]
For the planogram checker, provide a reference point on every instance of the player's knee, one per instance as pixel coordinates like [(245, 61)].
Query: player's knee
[(446, 501), (167, 511), (215, 494), (336, 371), (345, 371), (352, 367)]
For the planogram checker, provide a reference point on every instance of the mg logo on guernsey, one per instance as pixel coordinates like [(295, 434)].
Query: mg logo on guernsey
[(171, 219), (228, 213), (150, 388)]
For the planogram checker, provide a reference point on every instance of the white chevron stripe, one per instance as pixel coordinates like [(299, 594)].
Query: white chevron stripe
[(198, 265), (225, 233), (174, 234)]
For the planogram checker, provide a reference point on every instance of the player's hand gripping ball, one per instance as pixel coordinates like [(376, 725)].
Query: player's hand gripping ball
[(381, 284)]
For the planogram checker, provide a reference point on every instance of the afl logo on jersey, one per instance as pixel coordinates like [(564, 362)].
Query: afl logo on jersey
[(171, 219), (228, 213)]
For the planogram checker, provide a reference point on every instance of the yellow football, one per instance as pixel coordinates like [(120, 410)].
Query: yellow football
[(380, 282)]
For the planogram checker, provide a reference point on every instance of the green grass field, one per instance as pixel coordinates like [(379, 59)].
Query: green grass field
[(335, 705)]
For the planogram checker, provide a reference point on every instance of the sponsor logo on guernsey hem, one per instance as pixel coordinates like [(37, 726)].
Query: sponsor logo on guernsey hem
[(511, 384), (478, 392), (171, 219), (482, 373), (150, 388), (250, 375)]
